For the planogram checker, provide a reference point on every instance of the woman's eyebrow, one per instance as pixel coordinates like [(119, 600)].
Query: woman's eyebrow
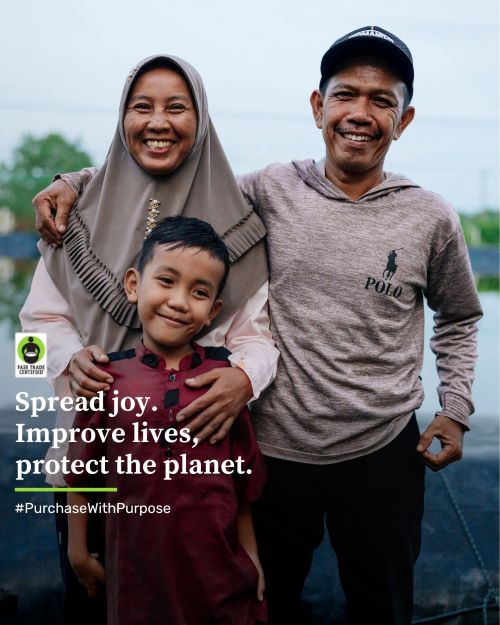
[(143, 96)]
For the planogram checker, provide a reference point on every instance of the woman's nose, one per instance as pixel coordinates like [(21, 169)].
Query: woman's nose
[(159, 120)]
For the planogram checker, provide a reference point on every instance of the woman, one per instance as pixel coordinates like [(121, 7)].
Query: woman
[(165, 159)]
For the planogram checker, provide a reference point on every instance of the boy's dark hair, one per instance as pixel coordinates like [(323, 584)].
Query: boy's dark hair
[(179, 232)]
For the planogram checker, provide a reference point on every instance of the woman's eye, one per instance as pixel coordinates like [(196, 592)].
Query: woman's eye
[(141, 107), (177, 108)]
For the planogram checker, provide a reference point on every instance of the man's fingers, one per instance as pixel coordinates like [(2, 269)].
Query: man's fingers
[(449, 454), (425, 440)]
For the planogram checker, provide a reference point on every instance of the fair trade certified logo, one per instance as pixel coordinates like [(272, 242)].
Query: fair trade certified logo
[(31, 355)]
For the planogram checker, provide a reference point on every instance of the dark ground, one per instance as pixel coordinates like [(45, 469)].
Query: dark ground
[(449, 576)]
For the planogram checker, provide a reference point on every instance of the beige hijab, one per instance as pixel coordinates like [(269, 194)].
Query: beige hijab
[(106, 227)]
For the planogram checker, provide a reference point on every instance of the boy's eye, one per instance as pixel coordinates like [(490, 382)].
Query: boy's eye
[(165, 280), (201, 293)]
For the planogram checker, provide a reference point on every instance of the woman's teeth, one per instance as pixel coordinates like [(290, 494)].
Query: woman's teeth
[(155, 145)]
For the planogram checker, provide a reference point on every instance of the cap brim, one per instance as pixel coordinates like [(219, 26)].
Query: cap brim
[(371, 46)]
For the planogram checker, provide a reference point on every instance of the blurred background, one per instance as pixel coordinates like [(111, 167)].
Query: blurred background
[(63, 71)]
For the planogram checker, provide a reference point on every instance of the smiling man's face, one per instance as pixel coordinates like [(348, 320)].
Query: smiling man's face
[(360, 114)]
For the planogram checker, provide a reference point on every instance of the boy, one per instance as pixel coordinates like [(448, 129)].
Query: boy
[(197, 564)]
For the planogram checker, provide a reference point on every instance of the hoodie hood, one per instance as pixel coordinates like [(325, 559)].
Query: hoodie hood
[(313, 174)]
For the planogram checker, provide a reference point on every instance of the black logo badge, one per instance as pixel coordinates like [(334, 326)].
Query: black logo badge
[(384, 287)]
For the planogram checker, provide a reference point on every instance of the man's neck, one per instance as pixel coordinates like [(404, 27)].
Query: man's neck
[(353, 184)]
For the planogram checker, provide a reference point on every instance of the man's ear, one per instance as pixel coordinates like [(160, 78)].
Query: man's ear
[(316, 101), (406, 120), (214, 311), (131, 284)]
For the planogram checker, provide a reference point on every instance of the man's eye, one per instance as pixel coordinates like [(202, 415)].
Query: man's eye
[(343, 95), (383, 102)]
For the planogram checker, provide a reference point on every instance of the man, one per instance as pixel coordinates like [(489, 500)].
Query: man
[(337, 426)]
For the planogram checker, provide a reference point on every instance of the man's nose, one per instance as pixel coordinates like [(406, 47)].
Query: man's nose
[(360, 112)]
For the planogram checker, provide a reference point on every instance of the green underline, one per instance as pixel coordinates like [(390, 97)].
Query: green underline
[(65, 490)]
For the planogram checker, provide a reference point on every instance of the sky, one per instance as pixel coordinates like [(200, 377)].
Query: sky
[(65, 64)]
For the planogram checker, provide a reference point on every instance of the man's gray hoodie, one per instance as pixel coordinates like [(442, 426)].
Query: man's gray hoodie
[(348, 279)]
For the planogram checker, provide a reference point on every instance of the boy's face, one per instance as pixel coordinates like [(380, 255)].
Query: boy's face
[(175, 295)]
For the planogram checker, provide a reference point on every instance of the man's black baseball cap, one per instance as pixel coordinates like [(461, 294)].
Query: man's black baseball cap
[(371, 40)]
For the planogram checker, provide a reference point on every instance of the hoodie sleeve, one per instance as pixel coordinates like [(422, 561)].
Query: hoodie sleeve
[(452, 294), (78, 180), (249, 186)]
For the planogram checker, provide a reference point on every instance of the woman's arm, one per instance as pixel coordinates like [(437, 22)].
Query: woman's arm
[(254, 361), (46, 310)]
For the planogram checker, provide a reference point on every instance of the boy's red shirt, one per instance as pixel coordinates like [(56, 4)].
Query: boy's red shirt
[(185, 567)]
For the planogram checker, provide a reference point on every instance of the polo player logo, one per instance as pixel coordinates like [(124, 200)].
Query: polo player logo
[(391, 267)]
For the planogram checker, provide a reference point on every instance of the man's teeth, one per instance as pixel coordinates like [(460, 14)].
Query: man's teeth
[(159, 144), (357, 137)]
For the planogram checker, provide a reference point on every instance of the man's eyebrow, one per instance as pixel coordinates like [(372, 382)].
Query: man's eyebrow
[(377, 91)]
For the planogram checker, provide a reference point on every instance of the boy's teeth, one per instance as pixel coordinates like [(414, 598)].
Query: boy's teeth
[(159, 144), (357, 137)]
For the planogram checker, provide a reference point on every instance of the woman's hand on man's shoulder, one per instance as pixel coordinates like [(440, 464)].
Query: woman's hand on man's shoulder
[(52, 206)]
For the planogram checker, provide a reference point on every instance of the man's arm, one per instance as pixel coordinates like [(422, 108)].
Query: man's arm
[(52, 205), (452, 294)]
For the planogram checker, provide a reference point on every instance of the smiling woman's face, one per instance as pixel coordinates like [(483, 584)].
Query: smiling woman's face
[(160, 121)]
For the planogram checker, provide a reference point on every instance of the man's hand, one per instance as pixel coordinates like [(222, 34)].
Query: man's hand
[(57, 198), (85, 378), (89, 571), (451, 436), (218, 408)]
